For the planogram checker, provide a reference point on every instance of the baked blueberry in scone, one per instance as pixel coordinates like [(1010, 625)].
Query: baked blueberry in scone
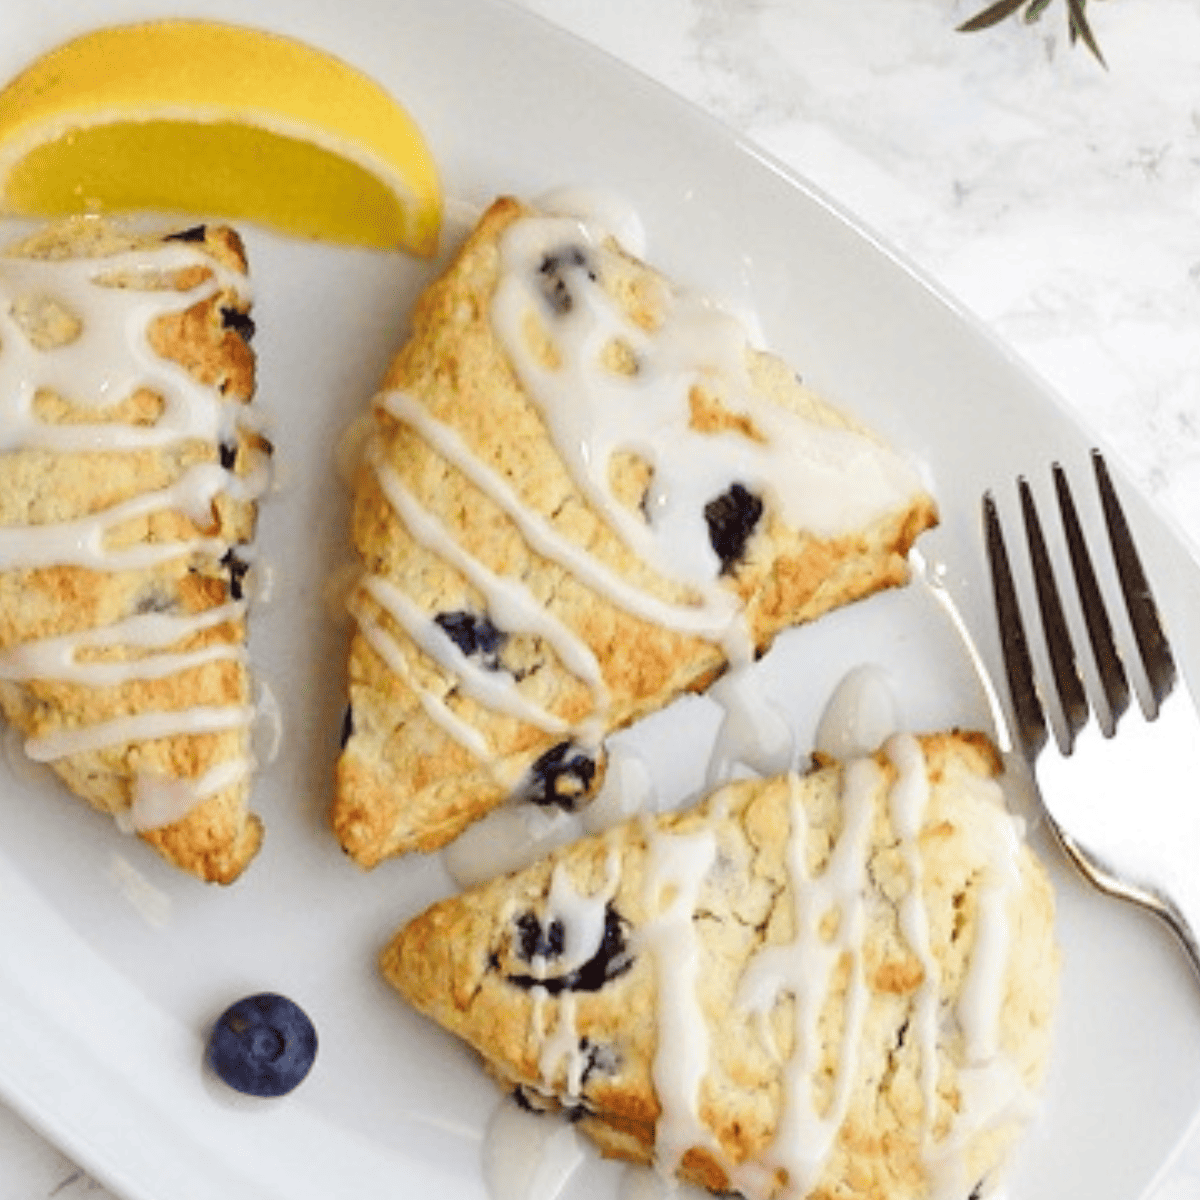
[(129, 476), (836, 984), (586, 495)]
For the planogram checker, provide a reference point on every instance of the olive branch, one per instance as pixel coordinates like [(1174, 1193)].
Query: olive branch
[(1000, 10)]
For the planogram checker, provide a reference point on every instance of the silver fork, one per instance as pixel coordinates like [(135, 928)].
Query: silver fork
[(1126, 808)]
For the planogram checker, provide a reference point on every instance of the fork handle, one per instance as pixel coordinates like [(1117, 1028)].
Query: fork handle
[(1181, 910), (1125, 810)]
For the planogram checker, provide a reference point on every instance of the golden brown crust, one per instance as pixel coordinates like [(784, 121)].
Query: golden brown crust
[(208, 340), (462, 963), (402, 782)]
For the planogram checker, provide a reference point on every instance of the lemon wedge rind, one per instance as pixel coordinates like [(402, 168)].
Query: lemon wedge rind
[(176, 76)]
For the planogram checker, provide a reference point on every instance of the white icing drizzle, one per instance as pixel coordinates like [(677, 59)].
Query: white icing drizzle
[(581, 920), (513, 608), (352, 446), (159, 800), (636, 1184), (678, 865), (519, 832), (859, 716), (605, 213), (151, 903), (754, 732), (907, 802), (58, 657), (826, 480), (994, 1094), (266, 734), (139, 727), (710, 620), (830, 912), (81, 542), (86, 370), (258, 583), (804, 969), (506, 839), (38, 776), (106, 360), (581, 917), (563, 1045), (495, 689), (438, 711), (982, 993), (509, 602), (510, 605), (628, 789), (526, 1157)]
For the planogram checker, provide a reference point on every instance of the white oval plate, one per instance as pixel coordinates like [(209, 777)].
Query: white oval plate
[(112, 967)]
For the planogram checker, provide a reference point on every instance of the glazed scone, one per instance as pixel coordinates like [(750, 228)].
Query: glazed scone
[(129, 475), (586, 494), (840, 984)]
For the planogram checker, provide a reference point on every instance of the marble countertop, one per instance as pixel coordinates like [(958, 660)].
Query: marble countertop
[(1056, 199)]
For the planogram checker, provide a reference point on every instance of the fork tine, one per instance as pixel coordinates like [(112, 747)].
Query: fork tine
[(1141, 852), (1139, 600), (1031, 721), (1099, 627), (1055, 630)]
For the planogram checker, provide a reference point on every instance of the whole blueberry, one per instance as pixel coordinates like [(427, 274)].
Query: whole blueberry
[(263, 1045)]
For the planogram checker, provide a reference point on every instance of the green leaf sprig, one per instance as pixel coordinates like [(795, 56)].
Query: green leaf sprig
[(1000, 10)]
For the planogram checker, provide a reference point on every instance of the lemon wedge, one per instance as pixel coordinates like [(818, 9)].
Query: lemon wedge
[(205, 118)]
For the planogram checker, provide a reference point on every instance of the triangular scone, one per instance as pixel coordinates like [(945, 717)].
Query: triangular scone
[(128, 487), (835, 985), (586, 494)]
